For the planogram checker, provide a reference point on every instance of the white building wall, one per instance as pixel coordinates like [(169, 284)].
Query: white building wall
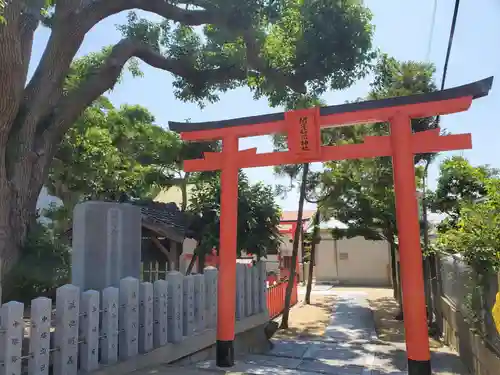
[(353, 261)]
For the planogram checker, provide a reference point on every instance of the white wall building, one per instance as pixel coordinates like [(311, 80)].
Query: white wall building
[(353, 261)]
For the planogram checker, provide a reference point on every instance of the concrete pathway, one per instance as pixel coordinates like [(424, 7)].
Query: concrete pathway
[(348, 347), (344, 349)]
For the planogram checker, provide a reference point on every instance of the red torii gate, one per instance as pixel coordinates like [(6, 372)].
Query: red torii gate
[(302, 128)]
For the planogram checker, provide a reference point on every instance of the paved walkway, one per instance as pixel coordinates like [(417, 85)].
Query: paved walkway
[(348, 347)]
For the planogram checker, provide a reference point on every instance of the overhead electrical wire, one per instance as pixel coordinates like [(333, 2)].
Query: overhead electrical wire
[(450, 42), (448, 51), (431, 32)]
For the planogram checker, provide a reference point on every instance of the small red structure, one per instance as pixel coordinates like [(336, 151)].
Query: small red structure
[(276, 297), (302, 128), (287, 228)]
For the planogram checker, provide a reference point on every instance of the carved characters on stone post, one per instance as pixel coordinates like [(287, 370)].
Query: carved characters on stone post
[(129, 318), (188, 306), (66, 335), (145, 317), (160, 313), (211, 296), (199, 302), (41, 311), (174, 306), (109, 325), (89, 331), (240, 291)]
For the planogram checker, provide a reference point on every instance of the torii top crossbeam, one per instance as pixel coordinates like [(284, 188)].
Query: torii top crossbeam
[(414, 106)]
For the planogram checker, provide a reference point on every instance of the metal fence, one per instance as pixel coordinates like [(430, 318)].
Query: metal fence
[(457, 286)]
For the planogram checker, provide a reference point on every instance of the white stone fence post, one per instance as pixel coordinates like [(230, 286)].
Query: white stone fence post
[(95, 328)]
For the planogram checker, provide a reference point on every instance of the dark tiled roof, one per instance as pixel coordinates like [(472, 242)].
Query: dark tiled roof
[(163, 213)]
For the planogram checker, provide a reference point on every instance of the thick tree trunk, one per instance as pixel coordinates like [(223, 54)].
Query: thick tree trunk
[(17, 212), (312, 258), (12, 230), (295, 249)]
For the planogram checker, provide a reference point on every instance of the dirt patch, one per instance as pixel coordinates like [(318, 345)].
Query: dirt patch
[(444, 360), (308, 322), (385, 309)]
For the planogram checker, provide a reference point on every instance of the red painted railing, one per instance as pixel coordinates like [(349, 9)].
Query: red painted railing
[(276, 297)]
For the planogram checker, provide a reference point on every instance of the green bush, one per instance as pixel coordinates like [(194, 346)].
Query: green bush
[(43, 267)]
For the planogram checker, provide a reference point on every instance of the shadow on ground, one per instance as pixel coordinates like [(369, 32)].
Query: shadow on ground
[(308, 322), (391, 332), (339, 356), (388, 328)]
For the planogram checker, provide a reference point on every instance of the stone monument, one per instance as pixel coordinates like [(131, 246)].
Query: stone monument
[(106, 244)]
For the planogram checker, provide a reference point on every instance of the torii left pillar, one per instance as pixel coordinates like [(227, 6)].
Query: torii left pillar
[(226, 318)]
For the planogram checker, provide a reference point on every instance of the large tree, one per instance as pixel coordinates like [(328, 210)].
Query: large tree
[(360, 193), (458, 181), (476, 237), (110, 152), (275, 47), (258, 217)]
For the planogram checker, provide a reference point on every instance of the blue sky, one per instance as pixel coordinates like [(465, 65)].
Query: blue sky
[(402, 31)]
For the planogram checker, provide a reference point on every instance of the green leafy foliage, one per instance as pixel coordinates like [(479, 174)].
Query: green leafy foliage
[(477, 233), (476, 237), (318, 45), (43, 7), (277, 48), (458, 182), (112, 151), (44, 266), (472, 229), (2, 7), (258, 216), (86, 66), (360, 192), (319, 41)]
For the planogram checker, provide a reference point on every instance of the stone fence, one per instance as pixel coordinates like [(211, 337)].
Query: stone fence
[(93, 329)]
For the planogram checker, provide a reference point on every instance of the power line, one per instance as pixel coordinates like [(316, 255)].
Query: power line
[(450, 42), (448, 51), (431, 33)]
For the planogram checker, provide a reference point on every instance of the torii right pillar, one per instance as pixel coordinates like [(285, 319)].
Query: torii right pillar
[(410, 253)]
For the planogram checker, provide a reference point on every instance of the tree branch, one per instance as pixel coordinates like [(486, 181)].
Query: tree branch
[(94, 11), (254, 60), (10, 69), (62, 47), (70, 27), (70, 107)]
